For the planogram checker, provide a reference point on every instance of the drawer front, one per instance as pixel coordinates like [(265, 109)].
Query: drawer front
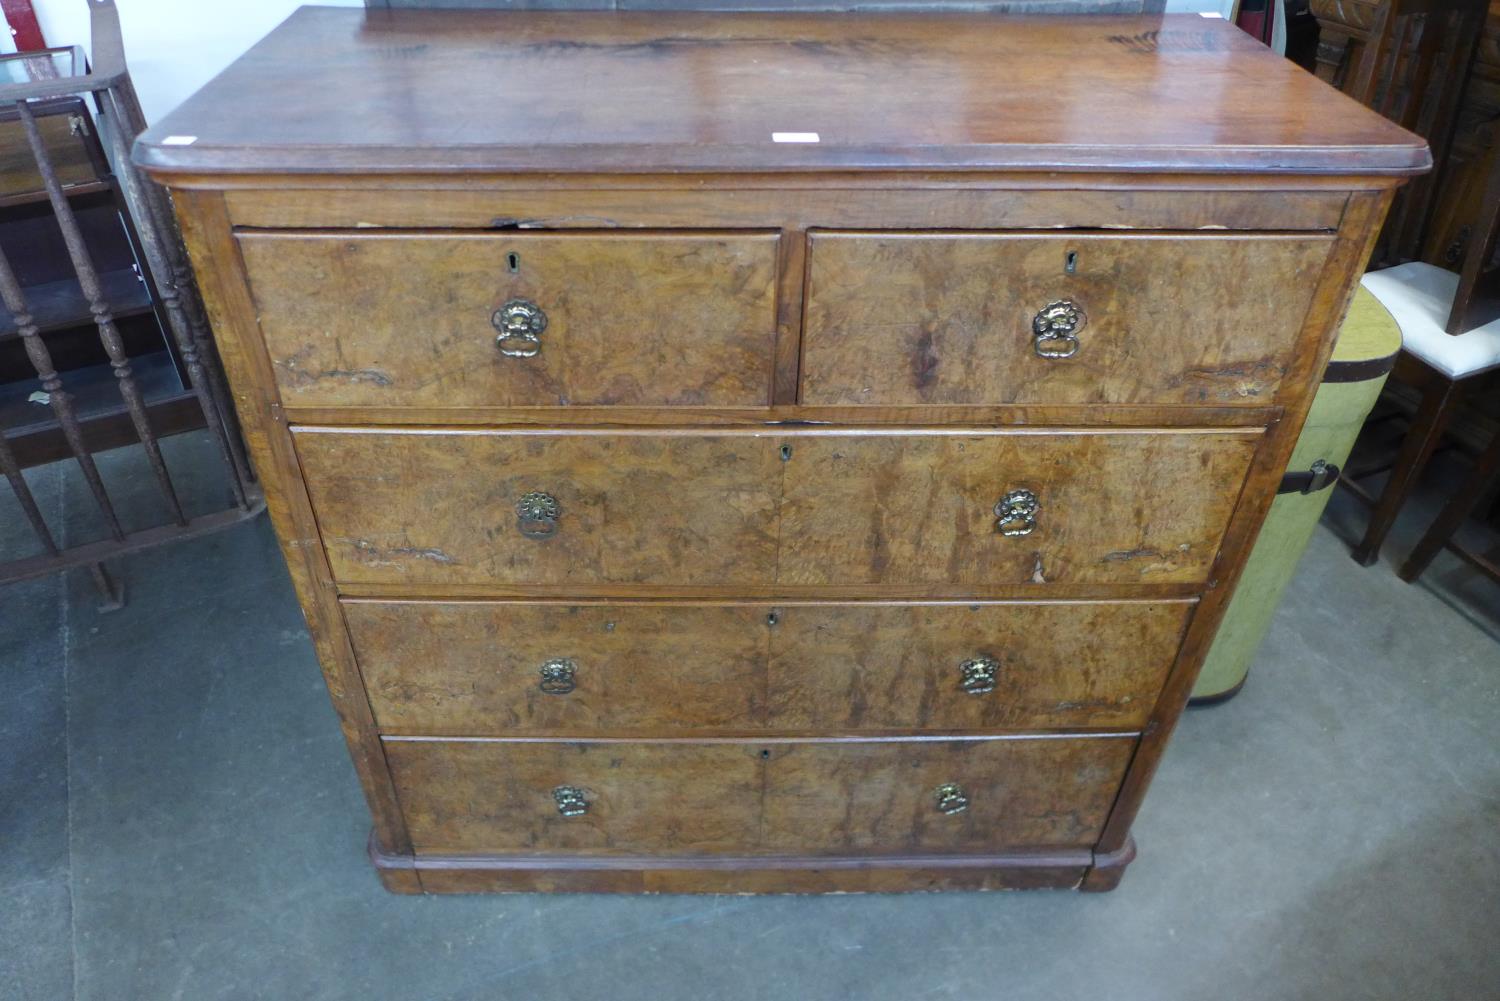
[(670, 319), (912, 319), (759, 508), (497, 668), (775, 798)]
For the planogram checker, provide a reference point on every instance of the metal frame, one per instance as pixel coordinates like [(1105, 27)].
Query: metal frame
[(119, 118)]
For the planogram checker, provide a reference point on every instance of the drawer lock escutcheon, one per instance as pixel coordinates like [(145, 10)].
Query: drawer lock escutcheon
[(1016, 513), (570, 801), (557, 676), (520, 323), (1055, 329), (951, 798), (536, 515), (977, 676)]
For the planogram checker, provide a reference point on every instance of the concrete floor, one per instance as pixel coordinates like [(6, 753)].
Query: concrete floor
[(178, 820)]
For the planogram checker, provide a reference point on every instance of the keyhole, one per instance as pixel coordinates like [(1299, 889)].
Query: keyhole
[(773, 618), (765, 754), (1070, 264), (513, 261), (786, 452)]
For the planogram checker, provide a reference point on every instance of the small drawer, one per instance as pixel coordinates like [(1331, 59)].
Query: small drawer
[(797, 797), (1038, 318), (766, 507), (516, 319), (487, 668)]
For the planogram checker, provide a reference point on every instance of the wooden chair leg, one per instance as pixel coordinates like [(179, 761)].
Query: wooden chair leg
[(1438, 399), (1454, 513)]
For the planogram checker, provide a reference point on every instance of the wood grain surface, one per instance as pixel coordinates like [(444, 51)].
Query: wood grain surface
[(405, 319), (770, 797), (947, 318), (449, 91), (810, 507), (776, 437), (473, 668), (905, 200)]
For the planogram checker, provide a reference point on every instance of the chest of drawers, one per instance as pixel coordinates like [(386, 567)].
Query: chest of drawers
[(677, 507)]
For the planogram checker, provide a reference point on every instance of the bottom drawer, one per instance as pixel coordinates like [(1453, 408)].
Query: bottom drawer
[(777, 797)]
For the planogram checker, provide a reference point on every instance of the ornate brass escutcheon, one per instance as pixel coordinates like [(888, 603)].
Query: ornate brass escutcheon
[(1055, 329), (1016, 512), (977, 676), (570, 801), (557, 676), (951, 798), (520, 323), (536, 515)]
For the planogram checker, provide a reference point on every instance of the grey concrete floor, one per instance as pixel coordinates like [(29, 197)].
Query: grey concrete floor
[(178, 820)]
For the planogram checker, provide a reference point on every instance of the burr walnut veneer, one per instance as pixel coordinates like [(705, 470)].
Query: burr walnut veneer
[(767, 452)]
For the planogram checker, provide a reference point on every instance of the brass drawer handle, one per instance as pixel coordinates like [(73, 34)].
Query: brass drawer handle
[(1055, 329), (536, 515), (951, 798), (1016, 513), (557, 676), (977, 676), (570, 801), (520, 323)]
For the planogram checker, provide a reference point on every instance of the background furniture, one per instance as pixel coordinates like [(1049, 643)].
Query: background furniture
[(1369, 342), (92, 279), (1420, 297), (1407, 59), (31, 238), (1482, 480), (1436, 68), (791, 467)]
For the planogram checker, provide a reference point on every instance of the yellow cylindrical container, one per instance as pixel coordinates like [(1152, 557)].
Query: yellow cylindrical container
[(1368, 343)]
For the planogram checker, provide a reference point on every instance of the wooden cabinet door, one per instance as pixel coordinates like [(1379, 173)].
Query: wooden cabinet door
[(465, 796), (891, 796), (440, 507), (946, 666), (498, 668), (770, 507), (799, 797), (935, 507), (409, 319), (950, 318)]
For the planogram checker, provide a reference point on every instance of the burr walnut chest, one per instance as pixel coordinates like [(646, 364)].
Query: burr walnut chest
[(762, 452)]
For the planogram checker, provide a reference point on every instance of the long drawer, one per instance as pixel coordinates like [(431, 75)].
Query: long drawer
[(762, 507), (1081, 318), (523, 667), (517, 319), (777, 797)]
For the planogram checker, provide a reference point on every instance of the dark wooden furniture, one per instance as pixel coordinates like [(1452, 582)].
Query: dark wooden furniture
[(1407, 59), (1477, 300), (1441, 363), (32, 241), (1464, 186), (103, 342), (860, 512), (1482, 479)]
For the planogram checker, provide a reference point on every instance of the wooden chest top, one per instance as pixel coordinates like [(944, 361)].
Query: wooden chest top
[(439, 91)]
